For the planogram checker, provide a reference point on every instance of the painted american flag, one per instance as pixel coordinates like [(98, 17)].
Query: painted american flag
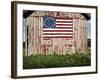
[(54, 27)]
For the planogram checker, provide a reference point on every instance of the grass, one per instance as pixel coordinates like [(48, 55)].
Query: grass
[(56, 60)]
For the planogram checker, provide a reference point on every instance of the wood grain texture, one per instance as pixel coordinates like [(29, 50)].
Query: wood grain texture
[(36, 43)]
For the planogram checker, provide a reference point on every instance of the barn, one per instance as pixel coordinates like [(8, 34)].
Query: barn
[(49, 32)]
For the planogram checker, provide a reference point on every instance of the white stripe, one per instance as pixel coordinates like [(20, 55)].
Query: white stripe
[(63, 20), (57, 32), (56, 35), (63, 23), (56, 29), (63, 26)]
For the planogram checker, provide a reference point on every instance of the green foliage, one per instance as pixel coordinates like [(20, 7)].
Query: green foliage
[(56, 60)]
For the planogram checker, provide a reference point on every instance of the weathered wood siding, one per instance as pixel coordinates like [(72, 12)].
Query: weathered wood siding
[(36, 43)]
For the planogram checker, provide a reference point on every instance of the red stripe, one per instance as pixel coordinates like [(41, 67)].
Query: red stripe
[(65, 18), (64, 21), (57, 37), (57, 33), (64, 27), (59, 27), (57, 30), (64, 24)]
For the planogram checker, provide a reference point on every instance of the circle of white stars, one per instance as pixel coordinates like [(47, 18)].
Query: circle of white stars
[(49, 19)]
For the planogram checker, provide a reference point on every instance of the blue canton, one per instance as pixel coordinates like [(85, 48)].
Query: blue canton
[(49, 22)]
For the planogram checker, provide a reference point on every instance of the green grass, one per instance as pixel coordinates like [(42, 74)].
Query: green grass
[(55, 60)]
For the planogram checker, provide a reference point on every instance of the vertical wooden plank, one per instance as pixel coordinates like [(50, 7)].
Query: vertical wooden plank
[(58, 44)]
